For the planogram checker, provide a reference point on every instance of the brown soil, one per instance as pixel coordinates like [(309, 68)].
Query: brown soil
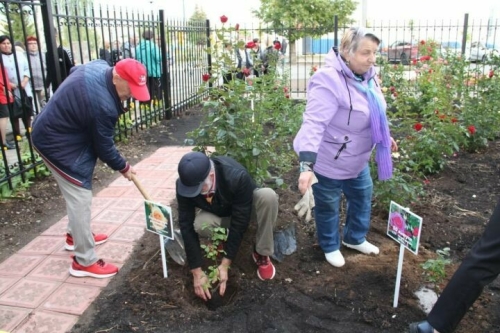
[(307, 294)]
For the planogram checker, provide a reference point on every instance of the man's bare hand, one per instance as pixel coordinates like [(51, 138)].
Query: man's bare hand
[(200, 283), (130, 172)]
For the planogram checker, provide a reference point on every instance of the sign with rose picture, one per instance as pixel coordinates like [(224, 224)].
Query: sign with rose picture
[(404, 227), (159, 219)]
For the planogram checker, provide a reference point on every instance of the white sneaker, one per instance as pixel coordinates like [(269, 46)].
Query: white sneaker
[(365, 247), (335, 258)]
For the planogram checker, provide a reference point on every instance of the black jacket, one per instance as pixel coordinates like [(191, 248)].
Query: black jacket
[(233, 197), (65, 65)]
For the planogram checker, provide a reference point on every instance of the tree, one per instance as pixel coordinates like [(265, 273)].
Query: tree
[(196, 32), (15, 19), (296, 19)]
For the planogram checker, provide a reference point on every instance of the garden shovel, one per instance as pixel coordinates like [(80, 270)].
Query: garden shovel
[(174, 247)]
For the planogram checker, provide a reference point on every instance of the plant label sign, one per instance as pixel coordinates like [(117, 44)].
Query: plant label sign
[(159, 219), (404, 227)]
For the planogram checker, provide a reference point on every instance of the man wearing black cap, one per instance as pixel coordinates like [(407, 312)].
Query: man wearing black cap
[(228, 197)]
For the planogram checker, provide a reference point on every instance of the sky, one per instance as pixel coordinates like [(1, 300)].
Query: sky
[(239, 11)]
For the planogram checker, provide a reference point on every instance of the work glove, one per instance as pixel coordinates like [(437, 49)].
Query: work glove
[(306, 204)]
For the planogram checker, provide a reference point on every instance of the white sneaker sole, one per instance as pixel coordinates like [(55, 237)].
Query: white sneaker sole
[(365, 250), (78, 273), (68, 247)]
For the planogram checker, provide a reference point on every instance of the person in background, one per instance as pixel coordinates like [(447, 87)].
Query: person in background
[(19, 78), (128, 50), (66, 63), (227, 196), (37, 69), (345, 118), (20, 47), (148, 53), (479, 268), (6, 100), (116, 53), (105, 53), (76, 128)]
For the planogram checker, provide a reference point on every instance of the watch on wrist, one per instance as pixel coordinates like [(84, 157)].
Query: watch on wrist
[(306, 166)]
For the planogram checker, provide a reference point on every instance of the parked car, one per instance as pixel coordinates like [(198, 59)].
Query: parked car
[(403, 51), (479, 52), (452, 47)]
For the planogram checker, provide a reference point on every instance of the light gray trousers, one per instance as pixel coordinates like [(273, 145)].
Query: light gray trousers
[(264, 212), (78, 204)]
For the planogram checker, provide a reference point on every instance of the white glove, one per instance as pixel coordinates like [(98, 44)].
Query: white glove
[(306, 204)]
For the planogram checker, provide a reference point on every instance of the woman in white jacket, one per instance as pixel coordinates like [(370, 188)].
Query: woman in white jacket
[(19, 77)]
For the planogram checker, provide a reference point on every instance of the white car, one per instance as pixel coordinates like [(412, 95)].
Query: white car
[(479, 52)]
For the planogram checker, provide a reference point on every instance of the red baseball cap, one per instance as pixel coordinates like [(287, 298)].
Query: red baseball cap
[(135, 74)]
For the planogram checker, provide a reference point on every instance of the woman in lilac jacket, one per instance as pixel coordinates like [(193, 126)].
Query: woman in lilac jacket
[(345, 119)]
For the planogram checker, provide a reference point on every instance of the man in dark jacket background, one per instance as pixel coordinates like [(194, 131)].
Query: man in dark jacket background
[(76, 128), (66, 63), (228, 197)]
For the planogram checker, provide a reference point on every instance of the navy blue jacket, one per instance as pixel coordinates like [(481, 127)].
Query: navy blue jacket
[(77, 125)]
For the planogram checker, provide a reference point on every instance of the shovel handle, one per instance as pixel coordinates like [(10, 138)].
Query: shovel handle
[(140, 188)]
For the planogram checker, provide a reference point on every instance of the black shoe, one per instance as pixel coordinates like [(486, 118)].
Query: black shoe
[(421, 327), (9, 145)]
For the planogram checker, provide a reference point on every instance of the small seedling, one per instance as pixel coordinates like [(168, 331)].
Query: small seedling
[(212, 251), (435, 268)]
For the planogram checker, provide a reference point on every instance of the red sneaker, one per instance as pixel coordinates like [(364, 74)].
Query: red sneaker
[(98, 239), (99, 269), (265, 270)]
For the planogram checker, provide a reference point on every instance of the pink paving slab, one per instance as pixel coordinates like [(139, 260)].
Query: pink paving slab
[(128, 234), (28, 293), (127, 204), (137, 219), (47, 322), (10, 317), (113, 216), (7, 281), (112, 192), (71, 298), (42, 245), (20, 264), (52, 268), (115, 251)]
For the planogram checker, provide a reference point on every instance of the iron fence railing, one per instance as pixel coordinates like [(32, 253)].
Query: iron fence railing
[(89, 32)]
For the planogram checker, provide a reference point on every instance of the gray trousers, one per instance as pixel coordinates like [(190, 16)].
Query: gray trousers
[(264, 212), (78, 204)]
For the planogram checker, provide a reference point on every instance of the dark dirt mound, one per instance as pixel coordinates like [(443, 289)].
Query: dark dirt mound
[(307, 294)]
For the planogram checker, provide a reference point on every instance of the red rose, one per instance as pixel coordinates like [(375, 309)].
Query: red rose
[(287, 95), (223, 18), (392, 89), (277, 46), (454, 120), (237, 27), (422, 42), (205, 77), (425, 58), (414, 61), (472, 129), (436, 111), (245, 71), (418, 127), (285, 89), (395, 94), (442, 116), (315, 68), (490, 75)]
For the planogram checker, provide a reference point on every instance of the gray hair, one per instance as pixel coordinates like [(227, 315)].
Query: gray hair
[(352, 37)]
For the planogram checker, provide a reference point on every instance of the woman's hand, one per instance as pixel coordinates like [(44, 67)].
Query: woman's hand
[(305, 181), (394, 145)]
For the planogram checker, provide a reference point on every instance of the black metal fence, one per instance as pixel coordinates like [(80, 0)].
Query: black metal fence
[(86, 32)]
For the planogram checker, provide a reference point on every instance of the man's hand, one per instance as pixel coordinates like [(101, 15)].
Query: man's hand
[(306, 204), (131, 171), (200, 283), (223, 275)]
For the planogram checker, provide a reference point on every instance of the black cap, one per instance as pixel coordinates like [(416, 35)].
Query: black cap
[(193, 170)]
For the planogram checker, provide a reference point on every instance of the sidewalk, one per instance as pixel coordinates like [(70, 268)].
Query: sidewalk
[(37, 294)]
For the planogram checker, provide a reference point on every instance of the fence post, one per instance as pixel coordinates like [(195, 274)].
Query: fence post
[(336, 31), (48, 27), (209, 54), (165, 78), (464, 34)]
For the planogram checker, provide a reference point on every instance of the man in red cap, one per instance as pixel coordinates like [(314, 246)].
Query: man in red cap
[(77, 127)]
